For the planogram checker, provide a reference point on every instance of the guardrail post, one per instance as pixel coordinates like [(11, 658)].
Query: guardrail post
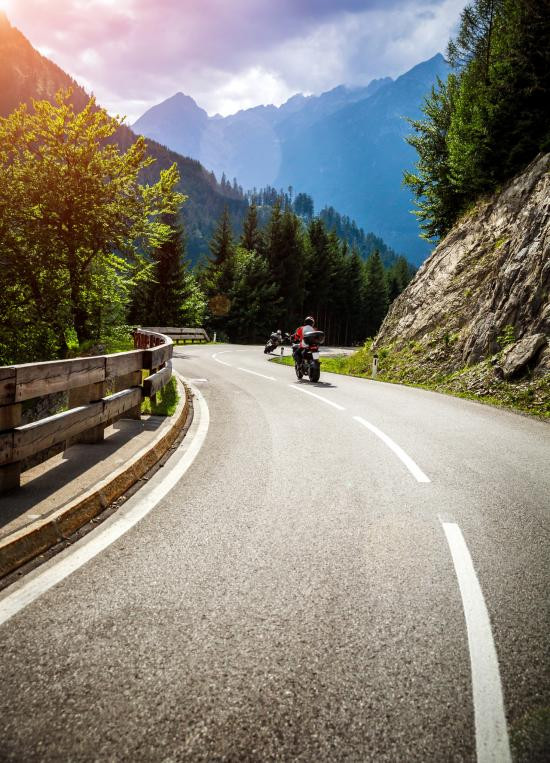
[(132, 379), (10, 474), (91, 393)]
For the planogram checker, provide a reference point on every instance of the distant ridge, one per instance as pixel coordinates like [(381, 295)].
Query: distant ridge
[(345, 147)]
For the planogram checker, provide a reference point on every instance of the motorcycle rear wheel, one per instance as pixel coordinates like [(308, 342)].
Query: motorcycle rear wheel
[(314, 373)]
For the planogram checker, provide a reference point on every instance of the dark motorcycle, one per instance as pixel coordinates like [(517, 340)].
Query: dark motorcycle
[(273, 342), (307, 363), (276, 340)]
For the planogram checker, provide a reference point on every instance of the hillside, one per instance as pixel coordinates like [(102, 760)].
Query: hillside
[(26, 74), (476, 317)]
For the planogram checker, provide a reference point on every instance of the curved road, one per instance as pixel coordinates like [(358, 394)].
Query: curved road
[(344, 571)]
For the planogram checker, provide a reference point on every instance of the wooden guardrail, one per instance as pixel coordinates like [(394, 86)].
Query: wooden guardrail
[(181, 334), (100, 389)]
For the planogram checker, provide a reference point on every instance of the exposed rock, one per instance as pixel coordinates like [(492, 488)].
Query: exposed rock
[(487, 283), (520, 353)]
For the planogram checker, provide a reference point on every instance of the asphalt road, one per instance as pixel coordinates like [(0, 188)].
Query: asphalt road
[(295, 595)]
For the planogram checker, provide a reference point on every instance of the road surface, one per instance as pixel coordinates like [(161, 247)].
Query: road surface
[(342, 571)]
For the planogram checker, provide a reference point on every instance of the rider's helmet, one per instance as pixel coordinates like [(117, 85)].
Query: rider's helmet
[(309, 321)]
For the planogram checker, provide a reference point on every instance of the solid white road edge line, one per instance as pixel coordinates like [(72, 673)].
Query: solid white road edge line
[(248, 371), (414, 469), (492, 744), (113, 528), (322, 399)]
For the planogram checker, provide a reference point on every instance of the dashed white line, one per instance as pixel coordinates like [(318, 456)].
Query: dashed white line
[(215, 357), (248, 371), (97, 541), (322, 399), (492, 744), (414, 469)]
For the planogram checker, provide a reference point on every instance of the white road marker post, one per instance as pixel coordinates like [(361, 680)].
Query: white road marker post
[(282, 351), (214, 339), (374, 366)]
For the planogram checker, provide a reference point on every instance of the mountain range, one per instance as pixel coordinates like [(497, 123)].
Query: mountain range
[(346, 147), (25, 75)]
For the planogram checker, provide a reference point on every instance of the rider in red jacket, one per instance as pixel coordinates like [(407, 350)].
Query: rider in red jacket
[(298, 337)]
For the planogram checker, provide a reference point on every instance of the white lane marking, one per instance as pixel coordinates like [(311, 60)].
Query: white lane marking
[(215, 357), (322, 399), (414, 469), (105, 534), (248, 371), (492, 745)]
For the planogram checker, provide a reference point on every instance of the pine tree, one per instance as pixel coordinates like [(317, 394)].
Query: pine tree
[(163, 298), (251, 238), (376, 297), (437, 199), (255, 304), (493, 115), (222, 249), (404, 273), (319, 271), (355, 281), (168, 294), (303, 206)]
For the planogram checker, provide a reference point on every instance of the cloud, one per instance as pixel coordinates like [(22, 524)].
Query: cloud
[(231, 55)]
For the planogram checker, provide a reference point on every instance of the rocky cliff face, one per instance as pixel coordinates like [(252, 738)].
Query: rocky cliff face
[(484, 293)]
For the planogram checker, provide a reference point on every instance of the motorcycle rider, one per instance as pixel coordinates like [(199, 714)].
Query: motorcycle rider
[(298, 337), (275, 340)]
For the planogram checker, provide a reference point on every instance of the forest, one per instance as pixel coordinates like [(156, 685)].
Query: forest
[(271, 277), (490, 118), (88, 248)]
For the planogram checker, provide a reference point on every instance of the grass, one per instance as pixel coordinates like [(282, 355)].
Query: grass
[(166, 401), (426, 367)]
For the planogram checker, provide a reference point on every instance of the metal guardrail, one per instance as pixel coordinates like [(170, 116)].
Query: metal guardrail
[(100, 389), (181, 334)]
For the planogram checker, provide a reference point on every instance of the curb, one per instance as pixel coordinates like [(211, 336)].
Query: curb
[(24, 545)]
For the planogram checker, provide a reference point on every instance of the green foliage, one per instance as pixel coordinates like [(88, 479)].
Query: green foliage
[(491, 117), (251, 238), (303, 206), (222, 248), (376, 296), (295, 271), (73, 221), (169, 295), (364, 243), (436, 197), (166, 401), (507, 337), (255, 305)]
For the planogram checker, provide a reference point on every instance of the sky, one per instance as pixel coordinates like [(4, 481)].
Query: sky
[(230, 54)]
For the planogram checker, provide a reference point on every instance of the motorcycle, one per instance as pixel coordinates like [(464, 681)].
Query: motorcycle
[(308, 363), (276, 340)]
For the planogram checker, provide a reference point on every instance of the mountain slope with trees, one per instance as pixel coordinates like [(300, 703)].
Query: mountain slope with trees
[(25, 75), (475, 320)]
